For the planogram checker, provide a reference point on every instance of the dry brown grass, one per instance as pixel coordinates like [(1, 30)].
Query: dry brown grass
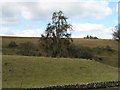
[(77, 41), (18, 40), (96, 42)]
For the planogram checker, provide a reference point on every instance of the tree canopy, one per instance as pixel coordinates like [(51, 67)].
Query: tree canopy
[(59, 26), (54, 41)]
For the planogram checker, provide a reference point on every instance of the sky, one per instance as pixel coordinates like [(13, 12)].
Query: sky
[(30, 18)]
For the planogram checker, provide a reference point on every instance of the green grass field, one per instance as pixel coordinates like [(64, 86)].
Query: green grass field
[(35, 72)]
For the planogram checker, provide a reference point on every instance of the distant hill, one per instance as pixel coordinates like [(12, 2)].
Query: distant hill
[(108, 58), (78, 41)]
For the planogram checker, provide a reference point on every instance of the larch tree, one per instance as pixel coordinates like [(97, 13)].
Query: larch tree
[(56, 40)]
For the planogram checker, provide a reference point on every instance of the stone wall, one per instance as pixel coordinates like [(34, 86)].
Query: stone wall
[(95, 85)]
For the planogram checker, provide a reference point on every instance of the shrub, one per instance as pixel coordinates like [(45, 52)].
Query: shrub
[(84, 52), (80, 52), (100, 50), (98, 58), (108, 48), (62, 47), (12, 44), (28, 49), (54, 47)]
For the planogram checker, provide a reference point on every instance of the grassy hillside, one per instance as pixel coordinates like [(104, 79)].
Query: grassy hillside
[(108, 57), (78, 41), (43, 71)]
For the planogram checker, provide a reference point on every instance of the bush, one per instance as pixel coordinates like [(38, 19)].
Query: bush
[(84, 52), (100, 50), (12, 44), (80, 52), (61, 47), (108, 48), (54, 47), (28, 49)]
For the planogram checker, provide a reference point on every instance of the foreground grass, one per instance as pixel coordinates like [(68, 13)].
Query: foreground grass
[(32, 72)]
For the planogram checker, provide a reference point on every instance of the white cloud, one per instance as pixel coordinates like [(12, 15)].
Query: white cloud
[(116, 7), (86, 9), (87, 27), (80, 30), (54, 0), (13, 12), (99, 30), (2, 1), (29, 33), (105, 33), (10, 14), (109, 30), (23, 33), (79, 36), (5, 31)]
